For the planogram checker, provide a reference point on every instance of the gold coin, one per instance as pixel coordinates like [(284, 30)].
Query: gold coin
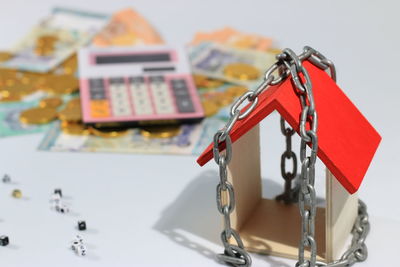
[(236, 91), (210, 108), (17, 89), (212, 83), (38, 115), (241, 71), (4, 56), (75, 102), (61, 84), (160, 131), (46, 39), (71, 114), (16, 193), (45, 45), (7, 77), (52, 102), (74, 128), (10, 97), (107, 133)]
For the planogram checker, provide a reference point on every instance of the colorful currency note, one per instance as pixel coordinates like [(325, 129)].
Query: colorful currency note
[(10, 124), (192, 139), (234, 38), (55, 39), (210, 59), (127, 27)]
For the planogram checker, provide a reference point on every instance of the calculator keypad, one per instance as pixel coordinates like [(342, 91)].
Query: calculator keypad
[(141, 96)]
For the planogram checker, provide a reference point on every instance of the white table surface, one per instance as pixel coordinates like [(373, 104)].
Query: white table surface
[(154, 210)]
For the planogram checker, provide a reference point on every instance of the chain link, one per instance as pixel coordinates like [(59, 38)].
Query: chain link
[(289, 195), (288, 65)]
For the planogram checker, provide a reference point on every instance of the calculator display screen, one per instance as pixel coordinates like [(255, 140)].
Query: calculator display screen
[(133, 58)]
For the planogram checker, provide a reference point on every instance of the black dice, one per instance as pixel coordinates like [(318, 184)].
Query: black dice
[(6, 179), (4, 240), (81, 225), (58, 191)]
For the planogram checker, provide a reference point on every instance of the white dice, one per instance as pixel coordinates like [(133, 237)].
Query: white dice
[(78, 247)]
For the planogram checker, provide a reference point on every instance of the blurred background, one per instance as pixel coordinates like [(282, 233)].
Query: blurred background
[(129, 172)]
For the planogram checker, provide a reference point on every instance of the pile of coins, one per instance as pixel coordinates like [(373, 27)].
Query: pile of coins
[(47, 110), (15, 85)]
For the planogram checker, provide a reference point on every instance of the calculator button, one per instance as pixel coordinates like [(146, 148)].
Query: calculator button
[(97, 96), (156, 79), (99, 108), (117, 80), (184, 104), (178, 84), (96, 83), (138, 79), (180, 92), (140, 96)]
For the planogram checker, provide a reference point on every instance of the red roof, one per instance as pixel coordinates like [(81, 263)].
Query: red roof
[(347, 142)]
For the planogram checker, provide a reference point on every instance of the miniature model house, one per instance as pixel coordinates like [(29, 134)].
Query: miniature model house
[(347, 144)]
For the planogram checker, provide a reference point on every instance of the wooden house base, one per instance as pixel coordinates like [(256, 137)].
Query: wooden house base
[(269, 227)]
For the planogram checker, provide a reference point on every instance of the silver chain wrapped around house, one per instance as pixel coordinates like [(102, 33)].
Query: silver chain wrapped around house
[(288, 65)]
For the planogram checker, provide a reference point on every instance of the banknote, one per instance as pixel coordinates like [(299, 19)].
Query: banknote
[(55, 39), (127, 27), (211, 59), (10, 124), (234, 38), (191, 140)]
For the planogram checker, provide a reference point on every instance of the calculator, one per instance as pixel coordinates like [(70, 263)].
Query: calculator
[(137, 86)]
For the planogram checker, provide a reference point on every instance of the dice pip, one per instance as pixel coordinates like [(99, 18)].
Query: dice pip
[(62, 208), (4, 240)]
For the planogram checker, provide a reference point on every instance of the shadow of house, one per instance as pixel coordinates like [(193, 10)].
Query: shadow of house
[(194, 211)]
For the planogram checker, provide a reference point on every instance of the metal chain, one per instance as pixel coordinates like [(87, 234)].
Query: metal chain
[(358, 251), (307, 196), (289, 195), (288, 64)]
